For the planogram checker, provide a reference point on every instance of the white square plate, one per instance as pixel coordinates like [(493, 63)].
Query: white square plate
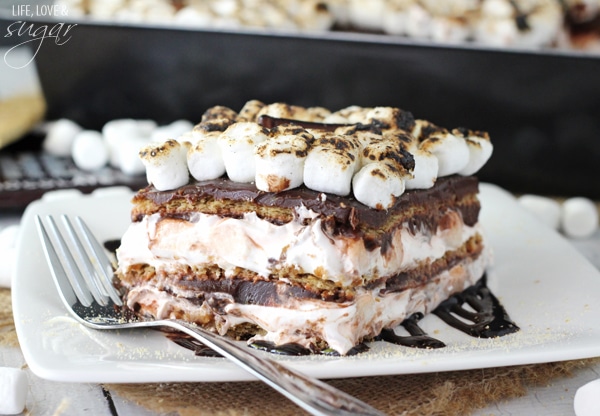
[(546, 286)]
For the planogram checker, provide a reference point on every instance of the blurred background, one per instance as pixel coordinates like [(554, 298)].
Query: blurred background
[(528, 72)]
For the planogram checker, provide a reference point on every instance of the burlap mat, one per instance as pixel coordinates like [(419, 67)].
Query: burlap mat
[(440, 394)]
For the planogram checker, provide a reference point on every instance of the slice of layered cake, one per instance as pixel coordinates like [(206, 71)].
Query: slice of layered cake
[(300, 225)]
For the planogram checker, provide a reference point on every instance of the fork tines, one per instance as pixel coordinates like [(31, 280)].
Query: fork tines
[(87, 274)]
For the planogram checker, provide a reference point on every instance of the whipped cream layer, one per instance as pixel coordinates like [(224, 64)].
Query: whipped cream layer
[(265, 248), (306, 321)]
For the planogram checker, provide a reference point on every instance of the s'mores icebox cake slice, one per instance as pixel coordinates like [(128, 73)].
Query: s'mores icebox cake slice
[(292, 225)]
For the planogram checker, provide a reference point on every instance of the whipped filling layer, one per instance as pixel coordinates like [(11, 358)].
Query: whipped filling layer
[(264, 248), (306, 321)]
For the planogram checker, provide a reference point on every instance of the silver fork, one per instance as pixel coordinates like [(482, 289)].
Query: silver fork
[(85, 287)]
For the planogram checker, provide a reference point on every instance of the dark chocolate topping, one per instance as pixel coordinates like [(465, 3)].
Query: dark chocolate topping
[(344, 210)]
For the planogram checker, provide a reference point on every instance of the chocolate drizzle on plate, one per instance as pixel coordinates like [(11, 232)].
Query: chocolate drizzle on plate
[(417, 339), (489, 318)]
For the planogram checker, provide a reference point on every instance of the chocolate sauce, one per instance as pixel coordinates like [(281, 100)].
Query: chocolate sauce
[(112, 245), (489, 320), (417, 339), (272, 122)]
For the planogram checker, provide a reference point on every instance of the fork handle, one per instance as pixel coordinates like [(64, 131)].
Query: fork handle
[(314, 396)]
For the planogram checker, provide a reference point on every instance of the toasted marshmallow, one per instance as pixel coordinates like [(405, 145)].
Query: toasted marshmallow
[(90, 151), (545, 209), (166, 164), (391, 151), (60, 136), (204, 158), (419, 22), (367, 14), (395, 17), (217, 118), (579, 217), (452, 30), (349, 115), (294, 112), (237, 147), (198, 15), (280, 160), (452, 152), (311, 15), (250, 110), (390, 118), (480, 149), (377, 185), (426, 169), (331, 163)]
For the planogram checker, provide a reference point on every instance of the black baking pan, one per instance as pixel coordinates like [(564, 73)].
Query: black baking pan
[(541, 108)]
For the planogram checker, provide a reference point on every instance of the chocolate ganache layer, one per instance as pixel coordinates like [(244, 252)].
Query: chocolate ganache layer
[(345, 214)]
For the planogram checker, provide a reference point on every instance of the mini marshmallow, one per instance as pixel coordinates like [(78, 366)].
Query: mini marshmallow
[(377, 184), (349, 115), (166, 164), (331, 163), (390, 118), (13, 390), (127, 156), (8, 236), (237, 147), (579, 217), (545, 209), (280, 160), (367, 14), (294, 112), (250, 110), (204, 158), (389, 151), (217, 118), (60, 136), (587, 399), (90, 151), (452, 152), (480, 150), (117, 132), (7, 264), (171, 131), (425, 172)]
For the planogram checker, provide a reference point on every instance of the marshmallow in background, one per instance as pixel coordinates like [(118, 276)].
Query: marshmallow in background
[(166, 164), (579, 217), (587, 399), (8, 242), (89, 150), (204, 157), (171, 131), (13, 390), (237, 147), (377, 185), (547, 210), (60, 136), (126, 133)]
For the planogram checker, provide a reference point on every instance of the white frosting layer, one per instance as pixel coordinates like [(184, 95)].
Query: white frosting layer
[(341, 325), (263, 247)]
